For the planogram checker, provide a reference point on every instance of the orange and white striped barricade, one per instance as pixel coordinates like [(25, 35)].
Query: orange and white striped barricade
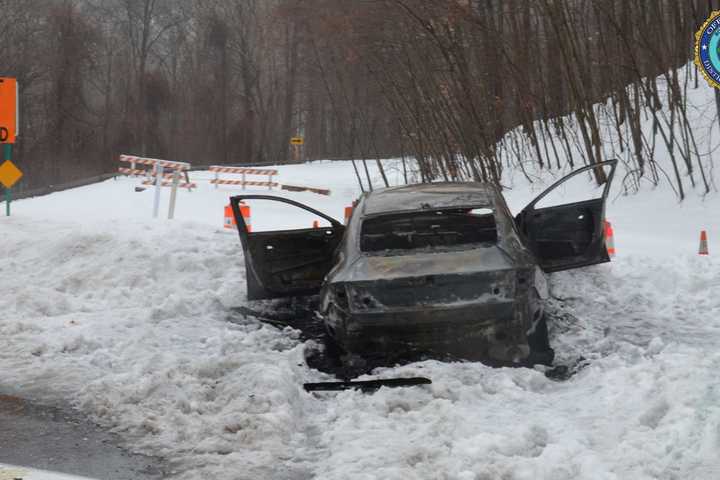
[(218, 169), (159, 178), (152, 173), (134, 172), (169, 183), (152, 162)]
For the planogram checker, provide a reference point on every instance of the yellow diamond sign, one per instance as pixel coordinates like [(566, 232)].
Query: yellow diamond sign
[(9, 174)]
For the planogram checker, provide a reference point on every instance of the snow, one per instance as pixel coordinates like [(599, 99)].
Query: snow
[(127, 318), (10, 471)]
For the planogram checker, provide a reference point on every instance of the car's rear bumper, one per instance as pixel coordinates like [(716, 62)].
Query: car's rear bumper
[(492, 333)]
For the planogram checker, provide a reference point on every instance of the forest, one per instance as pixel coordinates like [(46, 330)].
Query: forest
[(438, 81)]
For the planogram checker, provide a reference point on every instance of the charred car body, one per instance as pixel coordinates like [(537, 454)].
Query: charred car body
[(440, 269)]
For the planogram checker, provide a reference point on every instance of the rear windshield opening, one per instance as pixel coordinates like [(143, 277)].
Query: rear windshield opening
[(431, 229)]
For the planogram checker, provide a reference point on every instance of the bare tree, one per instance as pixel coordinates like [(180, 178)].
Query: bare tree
[(230, 81)]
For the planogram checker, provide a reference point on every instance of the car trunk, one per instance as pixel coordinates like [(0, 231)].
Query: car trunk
[(420, 292)]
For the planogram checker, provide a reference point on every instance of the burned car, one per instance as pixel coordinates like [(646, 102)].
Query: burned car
[(439, 270)]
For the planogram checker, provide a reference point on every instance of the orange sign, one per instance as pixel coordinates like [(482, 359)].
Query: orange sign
[(297, 141), (8, 109)]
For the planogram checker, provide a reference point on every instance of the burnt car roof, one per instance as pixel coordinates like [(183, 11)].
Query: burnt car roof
[(429, 196)]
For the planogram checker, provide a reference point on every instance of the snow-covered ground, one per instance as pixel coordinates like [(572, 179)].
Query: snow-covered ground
[(11, 471), (127, 318)]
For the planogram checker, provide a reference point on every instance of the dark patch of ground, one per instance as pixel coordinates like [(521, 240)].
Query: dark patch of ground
[(59, 440)]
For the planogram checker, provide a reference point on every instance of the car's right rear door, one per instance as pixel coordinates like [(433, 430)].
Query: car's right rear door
[(569, 235)]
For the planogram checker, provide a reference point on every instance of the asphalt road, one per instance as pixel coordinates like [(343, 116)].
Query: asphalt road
[(54, 439)]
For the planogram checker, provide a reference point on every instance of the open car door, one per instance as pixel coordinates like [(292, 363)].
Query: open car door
[(286, 263), (570, 235)]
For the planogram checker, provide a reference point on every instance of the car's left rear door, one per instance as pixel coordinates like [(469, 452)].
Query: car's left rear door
[(286, 263)]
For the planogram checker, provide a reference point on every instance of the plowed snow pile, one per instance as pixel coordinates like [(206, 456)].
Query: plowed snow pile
[(127, 319)]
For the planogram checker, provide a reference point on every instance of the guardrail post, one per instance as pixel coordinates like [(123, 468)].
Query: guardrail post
[(217, 178), (270, 182), (243, 180)]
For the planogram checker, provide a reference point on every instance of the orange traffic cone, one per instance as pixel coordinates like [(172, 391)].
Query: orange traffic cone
[(609, 239), (348, 214), (703, 243), (229, 218), (245, 212)]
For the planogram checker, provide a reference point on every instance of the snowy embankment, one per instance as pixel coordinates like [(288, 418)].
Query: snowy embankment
[(127, 318)]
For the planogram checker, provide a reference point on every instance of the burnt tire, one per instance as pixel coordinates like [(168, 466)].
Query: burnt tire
[(539, 342)]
